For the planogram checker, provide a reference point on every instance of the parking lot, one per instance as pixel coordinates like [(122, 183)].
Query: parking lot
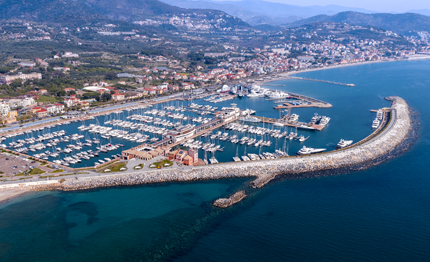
[(11, 165)]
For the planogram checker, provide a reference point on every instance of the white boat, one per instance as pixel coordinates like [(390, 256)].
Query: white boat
[(308, 150), (376, 123), (344, 143)]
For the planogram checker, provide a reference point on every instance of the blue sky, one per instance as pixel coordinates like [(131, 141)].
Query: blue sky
[(376, 5)]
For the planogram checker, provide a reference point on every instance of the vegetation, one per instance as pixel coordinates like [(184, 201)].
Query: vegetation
[(138, 167), (30, 172), (399, 23), (48, 99), (116, 167), (161, 164)]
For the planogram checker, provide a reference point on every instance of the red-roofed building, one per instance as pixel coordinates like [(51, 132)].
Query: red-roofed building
[(42, 113), (43, 91), (72, 101), (118, 96)]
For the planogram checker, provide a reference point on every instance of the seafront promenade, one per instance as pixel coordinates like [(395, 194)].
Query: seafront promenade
[(380, 143)]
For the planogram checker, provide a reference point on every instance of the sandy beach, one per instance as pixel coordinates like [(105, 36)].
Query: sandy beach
[(8, 194)]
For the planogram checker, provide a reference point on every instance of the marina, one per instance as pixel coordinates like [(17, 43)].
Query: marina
[(235, 124)]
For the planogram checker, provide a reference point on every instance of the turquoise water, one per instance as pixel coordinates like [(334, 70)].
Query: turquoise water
[(380, 214)]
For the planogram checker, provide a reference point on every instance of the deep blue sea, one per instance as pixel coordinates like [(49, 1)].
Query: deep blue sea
[(380, 214)]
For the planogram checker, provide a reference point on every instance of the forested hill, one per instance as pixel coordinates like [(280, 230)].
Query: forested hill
[(398, 23), (64, 11)]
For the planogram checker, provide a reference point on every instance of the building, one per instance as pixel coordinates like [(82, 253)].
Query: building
[(43, 91), (24, 77), (181, 155), (70, 55), (172, 155), (188, 160), (27, 64), (118, 96), (10, 118), (26, 102), (42, 113), (181, 132), (4, 109), (194, 154), (129, 154), (72, 101)]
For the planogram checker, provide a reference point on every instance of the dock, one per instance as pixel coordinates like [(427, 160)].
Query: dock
[(289, 124), (310, 102)]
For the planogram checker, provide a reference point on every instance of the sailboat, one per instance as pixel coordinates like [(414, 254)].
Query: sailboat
[(236, 158)]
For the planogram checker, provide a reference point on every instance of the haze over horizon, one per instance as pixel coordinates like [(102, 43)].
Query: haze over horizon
[(397, 6)]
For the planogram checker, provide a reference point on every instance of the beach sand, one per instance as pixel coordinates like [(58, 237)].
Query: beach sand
[(8, 194)]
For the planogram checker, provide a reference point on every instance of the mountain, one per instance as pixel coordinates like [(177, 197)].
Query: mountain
[(398, 23), (420, 11), (94, 10), (262, 12), (47, 10)]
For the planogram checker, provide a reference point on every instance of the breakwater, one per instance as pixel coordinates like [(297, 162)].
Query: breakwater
[(382, 142)]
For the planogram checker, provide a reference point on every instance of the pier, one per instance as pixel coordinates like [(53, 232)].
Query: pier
[(309, 102), (323, 81), (291, 124)]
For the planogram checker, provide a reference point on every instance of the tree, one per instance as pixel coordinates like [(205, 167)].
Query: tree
[(61, 93), (110, 76)]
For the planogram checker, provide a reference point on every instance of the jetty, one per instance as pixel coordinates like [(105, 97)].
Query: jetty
[(233, 199), (323, 81)]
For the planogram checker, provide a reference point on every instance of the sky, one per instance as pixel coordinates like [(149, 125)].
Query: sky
[(374, 5)]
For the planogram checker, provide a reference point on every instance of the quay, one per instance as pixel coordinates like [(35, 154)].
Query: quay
[(323, 81), (395, 129), (310, 102), (291, 124)]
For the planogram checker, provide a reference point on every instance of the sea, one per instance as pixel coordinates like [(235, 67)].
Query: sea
[(378, 214)]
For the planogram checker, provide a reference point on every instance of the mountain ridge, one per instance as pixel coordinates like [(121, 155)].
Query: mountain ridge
[(93, 10), (398, 23)]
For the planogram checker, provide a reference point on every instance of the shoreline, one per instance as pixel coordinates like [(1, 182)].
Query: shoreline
[(7, 195), (286, 75)]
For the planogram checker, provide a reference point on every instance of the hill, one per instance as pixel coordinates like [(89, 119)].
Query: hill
[(257, 12), (398, 23), (65, 11)]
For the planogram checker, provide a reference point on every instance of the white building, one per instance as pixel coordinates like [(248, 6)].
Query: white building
[(28, 101), (24, 77), (4, 109), (70, 55)]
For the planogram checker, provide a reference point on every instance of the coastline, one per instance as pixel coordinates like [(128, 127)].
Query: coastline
[(286, 75), (7, 195)]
